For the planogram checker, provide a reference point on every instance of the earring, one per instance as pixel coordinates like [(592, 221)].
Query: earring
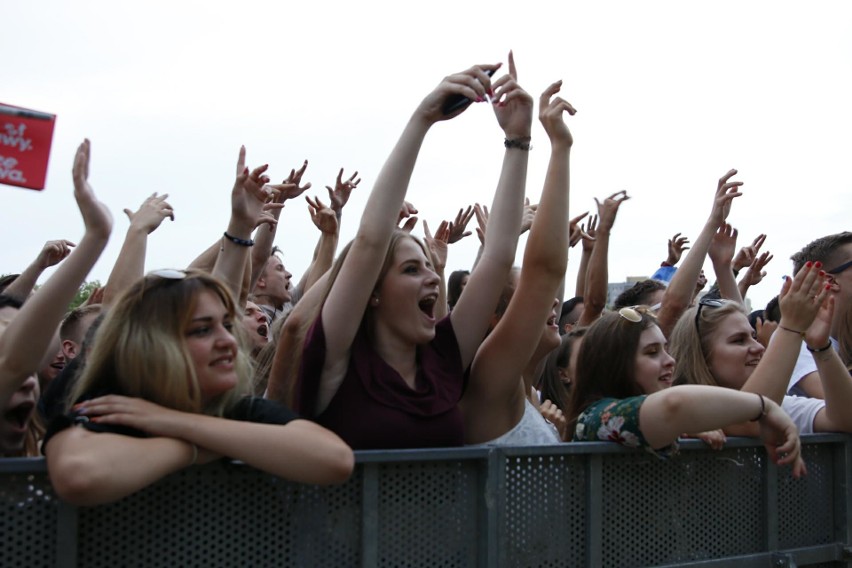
[(374, 301)]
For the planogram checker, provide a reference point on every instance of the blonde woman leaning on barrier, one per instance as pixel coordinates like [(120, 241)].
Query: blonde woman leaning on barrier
[(167, 386), (715, 345)]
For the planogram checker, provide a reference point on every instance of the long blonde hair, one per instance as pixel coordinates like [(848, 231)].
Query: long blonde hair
[(690, 343), (140, 349)]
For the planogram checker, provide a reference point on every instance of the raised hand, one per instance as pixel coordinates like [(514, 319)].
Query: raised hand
[(54, 252), (817, 335), (249, 195), (591, 230), (151, 213), (474, 83), (295, 178), (551, 115), (438, 244), (755, 272), (457, 227), (512, 105), (342, 189), (726, 191), (609, 208), (407, 212), (723, 245), (529, 215), (802, 297), (576, 232), (322, 215), (96, 216), (746, 255), (677, 244), (481, 212)]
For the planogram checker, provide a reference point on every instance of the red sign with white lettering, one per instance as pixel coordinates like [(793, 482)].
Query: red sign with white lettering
[(25, 138)]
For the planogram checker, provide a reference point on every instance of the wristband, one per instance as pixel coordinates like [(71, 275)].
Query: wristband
[(819, 350), (238, 241), (519, 143), (762, 410), (799, 333)]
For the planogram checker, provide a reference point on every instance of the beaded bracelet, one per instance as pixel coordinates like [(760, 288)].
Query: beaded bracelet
[(239, 241), (519, 143), (820, 350)]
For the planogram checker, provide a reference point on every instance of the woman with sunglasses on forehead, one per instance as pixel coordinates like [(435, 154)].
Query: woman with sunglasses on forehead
[(715, 345), (621, 394), (166, 379)]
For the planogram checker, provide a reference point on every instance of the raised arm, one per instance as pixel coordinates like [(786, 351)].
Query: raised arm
[(472, 314), (290, 188), (679, 294), (52, 253), (248, 197), (721, 252), (493, 402), (130, 265), (755, 273), (588, 245), (597, 273), (328, 222), (437, 246), (800, 300), (348, 297), (833, 375), (23, 344)]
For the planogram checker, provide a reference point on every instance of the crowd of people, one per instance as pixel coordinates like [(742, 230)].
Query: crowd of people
[(376, 348)]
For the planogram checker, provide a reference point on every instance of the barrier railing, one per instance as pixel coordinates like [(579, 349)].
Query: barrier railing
[(590, 504)]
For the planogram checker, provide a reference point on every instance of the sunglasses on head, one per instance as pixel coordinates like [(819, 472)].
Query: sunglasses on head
[(634, 314), (709, 303), (168, 274)]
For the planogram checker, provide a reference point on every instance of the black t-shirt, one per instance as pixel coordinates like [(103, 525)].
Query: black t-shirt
[(248, 409)]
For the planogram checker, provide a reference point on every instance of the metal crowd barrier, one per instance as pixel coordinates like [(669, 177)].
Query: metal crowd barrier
[(591, 504)]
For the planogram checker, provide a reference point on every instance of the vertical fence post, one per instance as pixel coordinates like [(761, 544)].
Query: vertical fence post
[(770, 494), (594, 508), (492, 507), (66, 535), (370, 515), (842, 496)]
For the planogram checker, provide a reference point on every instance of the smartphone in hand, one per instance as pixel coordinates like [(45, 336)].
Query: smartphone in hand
[(457, 102)]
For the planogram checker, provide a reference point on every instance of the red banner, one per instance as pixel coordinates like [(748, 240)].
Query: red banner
[(25, 138)]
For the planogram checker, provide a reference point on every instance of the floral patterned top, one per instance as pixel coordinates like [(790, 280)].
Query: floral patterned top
[(616, 420)]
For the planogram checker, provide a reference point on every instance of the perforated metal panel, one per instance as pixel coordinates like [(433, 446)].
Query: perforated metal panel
[(545, 511), (28, 514), (427, 514), (692, 507), (574, 505), (225, 515), (804, 517)]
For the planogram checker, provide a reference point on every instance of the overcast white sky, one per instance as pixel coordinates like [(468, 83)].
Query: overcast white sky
[(670, 96)]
